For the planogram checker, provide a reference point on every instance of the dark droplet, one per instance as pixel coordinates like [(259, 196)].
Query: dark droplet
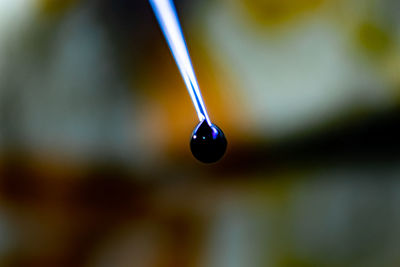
[(208, 143)]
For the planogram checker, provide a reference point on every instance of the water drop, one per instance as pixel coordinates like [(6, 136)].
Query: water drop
[(208, 143)]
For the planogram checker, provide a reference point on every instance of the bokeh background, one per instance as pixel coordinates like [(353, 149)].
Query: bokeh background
[(95, 123)]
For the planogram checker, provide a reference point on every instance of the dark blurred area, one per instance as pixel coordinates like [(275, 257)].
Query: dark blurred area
[(95, 123)]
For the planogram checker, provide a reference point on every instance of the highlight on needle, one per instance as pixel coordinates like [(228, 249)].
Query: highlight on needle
[(167, 17)]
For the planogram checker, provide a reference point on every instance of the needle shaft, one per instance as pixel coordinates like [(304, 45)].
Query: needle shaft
[(168, 19)]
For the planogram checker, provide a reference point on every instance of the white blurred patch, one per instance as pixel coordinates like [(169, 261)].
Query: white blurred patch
[(295, 77), (14, 13), (62, 90)]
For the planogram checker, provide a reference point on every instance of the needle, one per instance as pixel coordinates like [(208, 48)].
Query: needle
[(208, 143), (168, 19)]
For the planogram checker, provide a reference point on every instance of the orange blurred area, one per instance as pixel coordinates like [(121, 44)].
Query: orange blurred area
[(95, 124)]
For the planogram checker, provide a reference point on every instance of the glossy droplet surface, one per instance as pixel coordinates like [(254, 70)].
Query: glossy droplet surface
[(208, 143)]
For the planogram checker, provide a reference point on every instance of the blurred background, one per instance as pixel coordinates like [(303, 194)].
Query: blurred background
[(95, 123)]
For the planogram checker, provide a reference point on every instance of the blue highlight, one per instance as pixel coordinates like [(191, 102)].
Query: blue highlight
[(168, 19)]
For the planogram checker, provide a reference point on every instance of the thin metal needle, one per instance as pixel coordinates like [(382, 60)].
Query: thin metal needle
[(168, 19)]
